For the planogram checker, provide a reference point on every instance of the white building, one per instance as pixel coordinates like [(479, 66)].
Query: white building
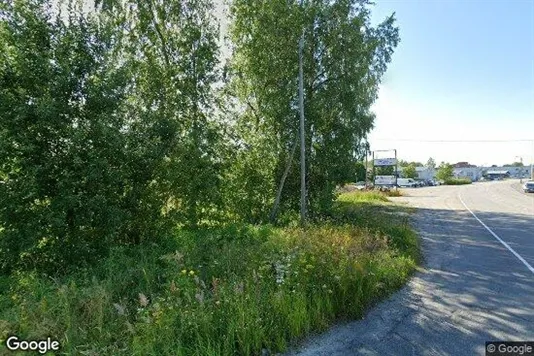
[(515, 172), (475, 173), (423, 173)]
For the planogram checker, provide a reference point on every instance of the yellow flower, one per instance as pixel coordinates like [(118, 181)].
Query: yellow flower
[(184, 271), (191, 273)]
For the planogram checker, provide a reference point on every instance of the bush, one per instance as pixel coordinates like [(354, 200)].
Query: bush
[(232, 290), (457, 181)]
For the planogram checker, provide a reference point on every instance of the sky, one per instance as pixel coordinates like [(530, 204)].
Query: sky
[(464, 70)]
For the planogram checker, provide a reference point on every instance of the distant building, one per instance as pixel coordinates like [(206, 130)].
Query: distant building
[(495, 174), (515, 172), (423, 173), (472, 173)]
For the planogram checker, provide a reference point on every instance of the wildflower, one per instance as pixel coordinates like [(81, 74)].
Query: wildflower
[(200, 297), (130, 327), (254, 276), (120, 309), (173, 287), (238, 289), (143, 300), (280, 272), (184, 271), (176, 257), (191, 273), (215, 285)]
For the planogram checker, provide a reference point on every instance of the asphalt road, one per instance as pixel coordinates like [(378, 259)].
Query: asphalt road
[(471, 289)]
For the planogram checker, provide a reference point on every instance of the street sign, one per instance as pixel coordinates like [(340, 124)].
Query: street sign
[(385, 162), (384, 180)]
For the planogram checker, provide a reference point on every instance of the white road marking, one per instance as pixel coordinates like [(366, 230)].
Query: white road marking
[(498, 238)]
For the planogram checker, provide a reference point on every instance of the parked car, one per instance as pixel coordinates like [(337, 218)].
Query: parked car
[(528, 187), (360, 185), (407, 182), (421, 183)]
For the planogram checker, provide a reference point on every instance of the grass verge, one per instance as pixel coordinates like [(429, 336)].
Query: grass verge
[(227, 291)]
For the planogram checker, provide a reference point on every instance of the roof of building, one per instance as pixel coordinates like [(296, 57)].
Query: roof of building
[(498, 172)]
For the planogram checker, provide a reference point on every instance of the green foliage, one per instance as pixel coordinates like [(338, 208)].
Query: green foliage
[(249, 185), (113, 130), (409, 171), (363, 197), (224, 291), (359, 171), (344, 59), (61, 145), (403, 163), (431, 163), (515, 164), (106, 135), (119, 146), (457, 181), (385, 170), (445, 172)]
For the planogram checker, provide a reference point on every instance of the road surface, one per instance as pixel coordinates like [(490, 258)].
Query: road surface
[(475, 285)]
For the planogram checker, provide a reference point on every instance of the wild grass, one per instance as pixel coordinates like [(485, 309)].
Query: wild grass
[(394, 193), (235, 290), (363, 196)]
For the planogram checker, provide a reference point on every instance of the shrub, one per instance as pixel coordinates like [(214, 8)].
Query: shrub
[(232, 290), (457, 181), (369, 196)]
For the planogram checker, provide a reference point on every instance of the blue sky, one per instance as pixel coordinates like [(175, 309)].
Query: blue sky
[(464, 70)]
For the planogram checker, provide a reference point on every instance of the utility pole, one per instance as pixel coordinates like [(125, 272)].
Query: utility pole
[(366, 167), (302, 134), (520, 169)]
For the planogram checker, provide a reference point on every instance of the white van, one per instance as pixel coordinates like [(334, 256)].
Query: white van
[(406, 182)]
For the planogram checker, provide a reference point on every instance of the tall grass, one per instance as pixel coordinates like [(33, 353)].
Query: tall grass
[(236, 290)]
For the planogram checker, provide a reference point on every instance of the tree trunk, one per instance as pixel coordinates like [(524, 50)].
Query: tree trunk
[(282, 182)]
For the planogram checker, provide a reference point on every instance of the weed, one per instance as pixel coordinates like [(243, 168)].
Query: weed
[(238, 289)]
